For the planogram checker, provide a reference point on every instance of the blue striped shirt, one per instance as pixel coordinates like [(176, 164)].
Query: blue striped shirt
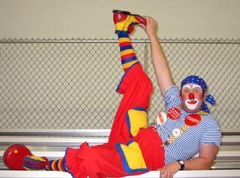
[(188, 144)]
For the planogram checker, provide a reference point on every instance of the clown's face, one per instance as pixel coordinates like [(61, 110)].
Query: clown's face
[(192, 97)]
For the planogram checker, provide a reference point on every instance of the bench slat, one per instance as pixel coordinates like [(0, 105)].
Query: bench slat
[(152, 174)]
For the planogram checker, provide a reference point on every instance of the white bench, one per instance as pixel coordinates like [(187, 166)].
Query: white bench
[(152, 174), (52, 144)]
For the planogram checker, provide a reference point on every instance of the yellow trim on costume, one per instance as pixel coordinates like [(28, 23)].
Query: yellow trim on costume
[(133, 156), (173, 138), (37, 158), (127, 65), (123, 39), (127, 51), (60, 165), (137, 119), (203, 113)]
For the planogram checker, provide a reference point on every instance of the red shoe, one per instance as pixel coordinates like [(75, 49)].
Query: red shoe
[(125, 21), (14, 155), (19, 157)]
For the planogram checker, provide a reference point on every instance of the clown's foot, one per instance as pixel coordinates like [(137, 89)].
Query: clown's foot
[(35, 163), (125, 21), (19, 157)]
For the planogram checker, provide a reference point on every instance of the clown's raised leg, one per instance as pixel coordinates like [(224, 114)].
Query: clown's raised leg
[(135, 86), (129, 150)]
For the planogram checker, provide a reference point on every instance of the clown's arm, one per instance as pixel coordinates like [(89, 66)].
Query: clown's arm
[(159, 60), (204, 161)]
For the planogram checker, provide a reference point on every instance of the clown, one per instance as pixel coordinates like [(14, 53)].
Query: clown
[(184, 129)]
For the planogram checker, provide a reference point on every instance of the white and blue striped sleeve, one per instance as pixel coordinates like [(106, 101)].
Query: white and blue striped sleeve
[(212, 135), (172, 97)]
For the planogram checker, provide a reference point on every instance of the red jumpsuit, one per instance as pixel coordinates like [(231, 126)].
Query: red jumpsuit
[(132, 147)]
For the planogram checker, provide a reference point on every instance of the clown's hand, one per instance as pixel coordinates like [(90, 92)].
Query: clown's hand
[(169, 170)]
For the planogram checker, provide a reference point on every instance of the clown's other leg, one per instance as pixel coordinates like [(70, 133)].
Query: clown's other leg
[(36, 163), (135, 86), (106, 160), (95, 161)]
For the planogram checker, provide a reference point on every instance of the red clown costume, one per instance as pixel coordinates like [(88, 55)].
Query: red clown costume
[(129, 150), (133, 147)]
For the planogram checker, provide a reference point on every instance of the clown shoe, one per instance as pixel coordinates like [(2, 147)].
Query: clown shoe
[(125, 21), (19, 157)]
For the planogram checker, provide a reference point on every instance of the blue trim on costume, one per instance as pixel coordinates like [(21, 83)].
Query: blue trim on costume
[(124, 160), (125, 75), (124, 61), (140, 109), (128, 123), (50, 165), (66, 165), (126, 47), (122, 34)]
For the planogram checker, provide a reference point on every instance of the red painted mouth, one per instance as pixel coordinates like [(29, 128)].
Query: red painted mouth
[(192, 102)]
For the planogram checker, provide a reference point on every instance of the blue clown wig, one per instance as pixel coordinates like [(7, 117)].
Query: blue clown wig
[(199, 81)]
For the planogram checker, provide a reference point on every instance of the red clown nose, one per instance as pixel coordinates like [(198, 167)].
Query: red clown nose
[(191, 96)]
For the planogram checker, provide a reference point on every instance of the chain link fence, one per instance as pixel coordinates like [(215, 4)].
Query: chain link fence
[(70, 83)]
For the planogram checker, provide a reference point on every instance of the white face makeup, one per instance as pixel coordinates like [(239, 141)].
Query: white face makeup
[(192, 96), (192, 104)]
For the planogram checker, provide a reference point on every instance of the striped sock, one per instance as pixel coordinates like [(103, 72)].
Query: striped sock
[(128, 55), (57, 165)]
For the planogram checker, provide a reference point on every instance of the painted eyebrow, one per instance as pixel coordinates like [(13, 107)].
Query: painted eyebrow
[(196, 86), (193, 86)]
